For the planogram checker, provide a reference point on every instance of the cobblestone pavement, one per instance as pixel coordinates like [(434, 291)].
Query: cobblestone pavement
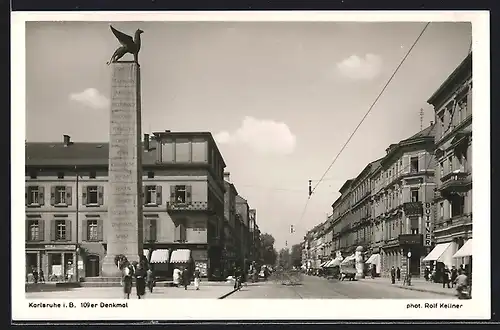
[(320, 288), (210, 292)]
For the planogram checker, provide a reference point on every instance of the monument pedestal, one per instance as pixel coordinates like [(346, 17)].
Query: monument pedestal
[(124, 232)]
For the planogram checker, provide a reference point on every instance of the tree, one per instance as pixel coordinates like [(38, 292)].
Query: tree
[(268, 251), (296, 255)]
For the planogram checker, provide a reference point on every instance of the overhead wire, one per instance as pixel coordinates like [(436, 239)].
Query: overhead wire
[(363, 119)]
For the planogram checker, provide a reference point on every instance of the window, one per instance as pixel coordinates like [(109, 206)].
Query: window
[(182, 151), (414, 192), (450, 164), (34, 196), (60, 175), (460, 110), (457, 205), (92, 230), (441, 169), (441, 123), (150, 195), (151, 175), (60, 195), (414, 164), (441, 210), (181, 194), (92, 174), (61, 230), (35, 232), (92, 195), (414, 225), (167, 152)]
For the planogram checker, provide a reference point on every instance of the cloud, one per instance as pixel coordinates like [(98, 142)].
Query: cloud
[(359, 68), (261, 135), (91, 98)]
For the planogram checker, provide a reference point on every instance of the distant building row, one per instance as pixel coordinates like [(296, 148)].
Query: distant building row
[(189, 203), (421, 191)]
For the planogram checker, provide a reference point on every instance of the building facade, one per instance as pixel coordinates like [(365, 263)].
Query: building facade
[(403, 187), (243, 215), (231, 230), (452, 104), (66, 203)]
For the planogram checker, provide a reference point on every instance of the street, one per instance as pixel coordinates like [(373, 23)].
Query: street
[(320, 288)]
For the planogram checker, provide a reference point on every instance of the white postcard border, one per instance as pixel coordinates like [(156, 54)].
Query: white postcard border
[(479, 307)]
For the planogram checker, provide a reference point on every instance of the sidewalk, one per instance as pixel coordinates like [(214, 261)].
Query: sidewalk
[(205, 292), (416, 285)]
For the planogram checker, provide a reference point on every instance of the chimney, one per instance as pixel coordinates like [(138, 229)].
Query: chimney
[(432, 123), (167, 131), (146, 142), (227, 176), (67, 140)]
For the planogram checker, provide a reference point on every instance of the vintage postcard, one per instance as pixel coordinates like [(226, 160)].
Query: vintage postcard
[(219, 164)]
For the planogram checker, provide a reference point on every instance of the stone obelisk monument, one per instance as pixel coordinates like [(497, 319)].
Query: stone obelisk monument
[(124, 231)]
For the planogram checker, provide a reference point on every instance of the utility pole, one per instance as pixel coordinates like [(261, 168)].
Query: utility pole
[(310, 188), (421, 119)]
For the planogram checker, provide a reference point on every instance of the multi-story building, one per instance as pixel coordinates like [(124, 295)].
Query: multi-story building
[(242, 214), (231, 234), (361, 207), (452, 104), (403, 188), (344, 237), (67, 202)]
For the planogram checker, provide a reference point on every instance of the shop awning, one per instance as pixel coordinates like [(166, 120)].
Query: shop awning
[(324, 263), (439, 253), (180, 256), (465, 250), (374, 259), (159, 256), (334, 263), (145, 252), (348, 259)]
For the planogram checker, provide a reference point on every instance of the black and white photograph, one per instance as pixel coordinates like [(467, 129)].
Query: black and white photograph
[(323, 163)]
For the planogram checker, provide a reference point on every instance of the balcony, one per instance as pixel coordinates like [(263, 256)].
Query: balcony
[(189, 207), (413, 209), (456, 181)]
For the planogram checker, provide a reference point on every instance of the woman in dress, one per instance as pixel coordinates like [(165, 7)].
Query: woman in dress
[(127, 273), (140, 280)]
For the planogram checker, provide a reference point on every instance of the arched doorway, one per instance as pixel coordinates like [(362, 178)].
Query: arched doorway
[(92, 266)]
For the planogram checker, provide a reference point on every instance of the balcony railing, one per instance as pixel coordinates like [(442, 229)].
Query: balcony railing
[(193, 206), (413, 209), (456, 181)]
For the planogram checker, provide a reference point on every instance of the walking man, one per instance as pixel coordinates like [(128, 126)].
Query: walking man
[(393, 275), (398, 274)]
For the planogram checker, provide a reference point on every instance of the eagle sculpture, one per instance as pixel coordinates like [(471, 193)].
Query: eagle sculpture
[(129, 45)]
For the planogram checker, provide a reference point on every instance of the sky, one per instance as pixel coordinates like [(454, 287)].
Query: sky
[(280, 98)]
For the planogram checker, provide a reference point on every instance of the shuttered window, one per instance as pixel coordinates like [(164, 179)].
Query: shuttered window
[(35, 230), (61, 196), (180, 194), (92, 230)]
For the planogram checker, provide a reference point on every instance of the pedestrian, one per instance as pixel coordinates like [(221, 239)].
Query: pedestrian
[(398, 274), (426, 273), (373, 271), (177, 276), (34, 272), (140, 280), (42, 277), (446, 277), (186, 280), (393, 275), (150, 280), (237, 278), (197, 278), (127, 273), (454, 274)]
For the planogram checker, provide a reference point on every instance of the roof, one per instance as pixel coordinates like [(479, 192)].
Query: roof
[(367, 168), (77, 153), (345, 185), (465, 67), (240, 199), (232, 187), (427, 133), (90, 153)]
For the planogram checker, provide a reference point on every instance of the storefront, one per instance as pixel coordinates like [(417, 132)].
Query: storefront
[(375, 262), (441, 255), (57, 262)]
